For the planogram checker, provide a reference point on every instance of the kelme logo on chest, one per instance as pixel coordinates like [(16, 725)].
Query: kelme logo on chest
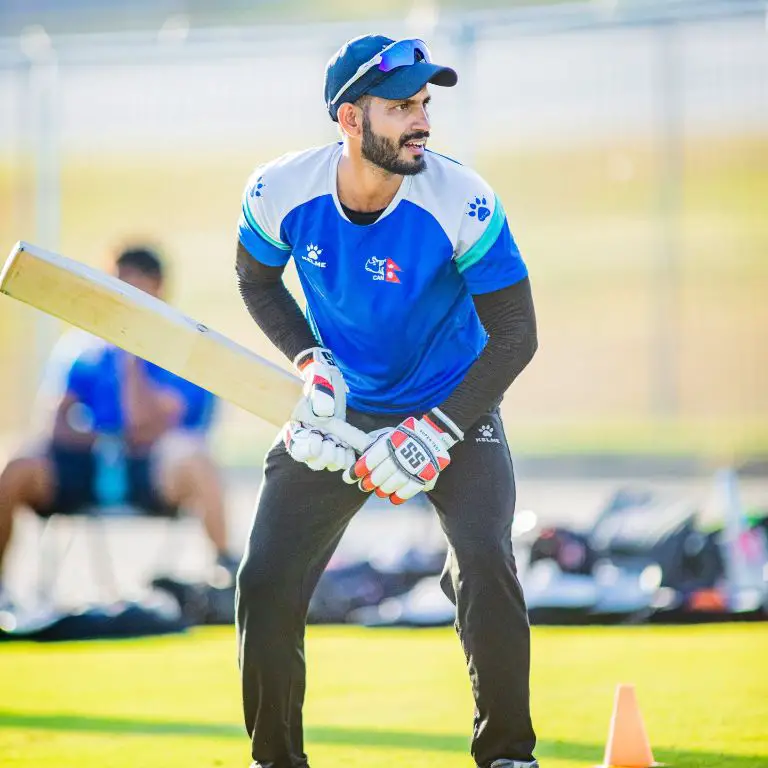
[(312, 256), (383, 269)]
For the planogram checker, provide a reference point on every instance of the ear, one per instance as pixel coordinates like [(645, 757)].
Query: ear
[(350, 120)]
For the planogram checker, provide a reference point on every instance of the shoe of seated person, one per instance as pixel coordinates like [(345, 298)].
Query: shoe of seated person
[(225, 573), (6, 601)]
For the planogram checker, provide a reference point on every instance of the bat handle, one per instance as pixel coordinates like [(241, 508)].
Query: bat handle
[(352, 436)]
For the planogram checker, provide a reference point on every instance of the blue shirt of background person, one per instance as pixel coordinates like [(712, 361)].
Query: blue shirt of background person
[(110, 391), (94, 380)]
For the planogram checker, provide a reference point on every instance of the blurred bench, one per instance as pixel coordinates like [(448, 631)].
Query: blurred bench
[(91, 524)]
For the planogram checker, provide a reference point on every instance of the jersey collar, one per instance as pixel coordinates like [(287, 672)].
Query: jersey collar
[(402, 192)]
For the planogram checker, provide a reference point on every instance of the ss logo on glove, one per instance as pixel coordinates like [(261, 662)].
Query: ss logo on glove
[(412, 453)]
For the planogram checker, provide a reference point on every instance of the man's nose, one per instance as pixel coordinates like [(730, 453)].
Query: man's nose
[(421, 123)]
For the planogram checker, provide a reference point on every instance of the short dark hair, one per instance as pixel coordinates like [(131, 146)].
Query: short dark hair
[(142, 259), (364, 101)]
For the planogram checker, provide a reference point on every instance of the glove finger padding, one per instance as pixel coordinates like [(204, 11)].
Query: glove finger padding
[(323, 451), (375, 455), (315, 444), (397, 480), (381, 474), (340, 457), (343, 457), (298, 441), (317, 449), (408, 491), (376, 452)]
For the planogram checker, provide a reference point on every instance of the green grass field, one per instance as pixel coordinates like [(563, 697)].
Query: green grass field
[(383, 698)]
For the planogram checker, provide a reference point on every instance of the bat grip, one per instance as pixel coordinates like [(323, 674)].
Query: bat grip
[(348, 434)]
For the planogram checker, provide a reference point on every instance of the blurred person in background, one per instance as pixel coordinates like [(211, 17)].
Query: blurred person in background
[(124, 432), (419, 316)]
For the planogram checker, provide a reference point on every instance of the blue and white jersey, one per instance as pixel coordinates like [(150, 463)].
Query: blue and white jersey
[(392, 300)]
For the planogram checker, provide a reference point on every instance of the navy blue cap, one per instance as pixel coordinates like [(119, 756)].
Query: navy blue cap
[(399, 83)]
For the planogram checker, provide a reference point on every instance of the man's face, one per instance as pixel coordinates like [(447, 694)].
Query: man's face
[(138, 279), (395, 133)]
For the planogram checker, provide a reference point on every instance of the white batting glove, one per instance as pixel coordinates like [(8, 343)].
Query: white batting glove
[(407, 458), (317, 449), (325, 392)]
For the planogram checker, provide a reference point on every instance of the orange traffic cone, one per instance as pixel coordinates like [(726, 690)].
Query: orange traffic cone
[(628, 745)]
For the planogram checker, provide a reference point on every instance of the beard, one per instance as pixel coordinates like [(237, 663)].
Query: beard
[(385, 153)]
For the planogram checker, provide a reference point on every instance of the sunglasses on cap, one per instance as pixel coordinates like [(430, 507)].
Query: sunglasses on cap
[(401, 53)]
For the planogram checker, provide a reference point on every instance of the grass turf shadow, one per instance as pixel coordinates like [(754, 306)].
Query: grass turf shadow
[(357, 737)]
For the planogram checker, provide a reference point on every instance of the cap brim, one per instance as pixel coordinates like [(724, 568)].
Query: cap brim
[(404, 82)]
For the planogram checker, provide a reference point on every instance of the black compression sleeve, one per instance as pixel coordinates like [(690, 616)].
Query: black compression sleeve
[(272, 306), (509, 318)]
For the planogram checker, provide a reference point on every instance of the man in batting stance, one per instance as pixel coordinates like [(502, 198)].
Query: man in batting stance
[(419, 317)]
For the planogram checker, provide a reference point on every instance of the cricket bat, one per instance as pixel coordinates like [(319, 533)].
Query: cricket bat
[(153, 330)]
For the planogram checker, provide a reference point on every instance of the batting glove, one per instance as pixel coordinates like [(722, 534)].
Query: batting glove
[(408, 458), (317, 449), (325, 391)]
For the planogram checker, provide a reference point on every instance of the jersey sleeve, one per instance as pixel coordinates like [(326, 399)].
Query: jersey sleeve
[(486, 253), (259, 227)]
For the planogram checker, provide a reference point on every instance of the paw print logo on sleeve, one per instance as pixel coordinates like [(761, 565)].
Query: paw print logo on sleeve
[(479, 208), (258, 187)]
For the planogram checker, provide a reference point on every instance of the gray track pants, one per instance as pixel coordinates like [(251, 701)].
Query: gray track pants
[(300, 518)]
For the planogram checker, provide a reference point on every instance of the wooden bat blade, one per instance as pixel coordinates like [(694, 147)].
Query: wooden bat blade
[(153, 330)]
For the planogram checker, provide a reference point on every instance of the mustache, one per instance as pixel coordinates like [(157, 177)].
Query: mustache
[(413, 137)]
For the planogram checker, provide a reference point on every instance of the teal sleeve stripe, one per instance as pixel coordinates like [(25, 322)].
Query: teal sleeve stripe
[(259, 231), (487, 239)]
